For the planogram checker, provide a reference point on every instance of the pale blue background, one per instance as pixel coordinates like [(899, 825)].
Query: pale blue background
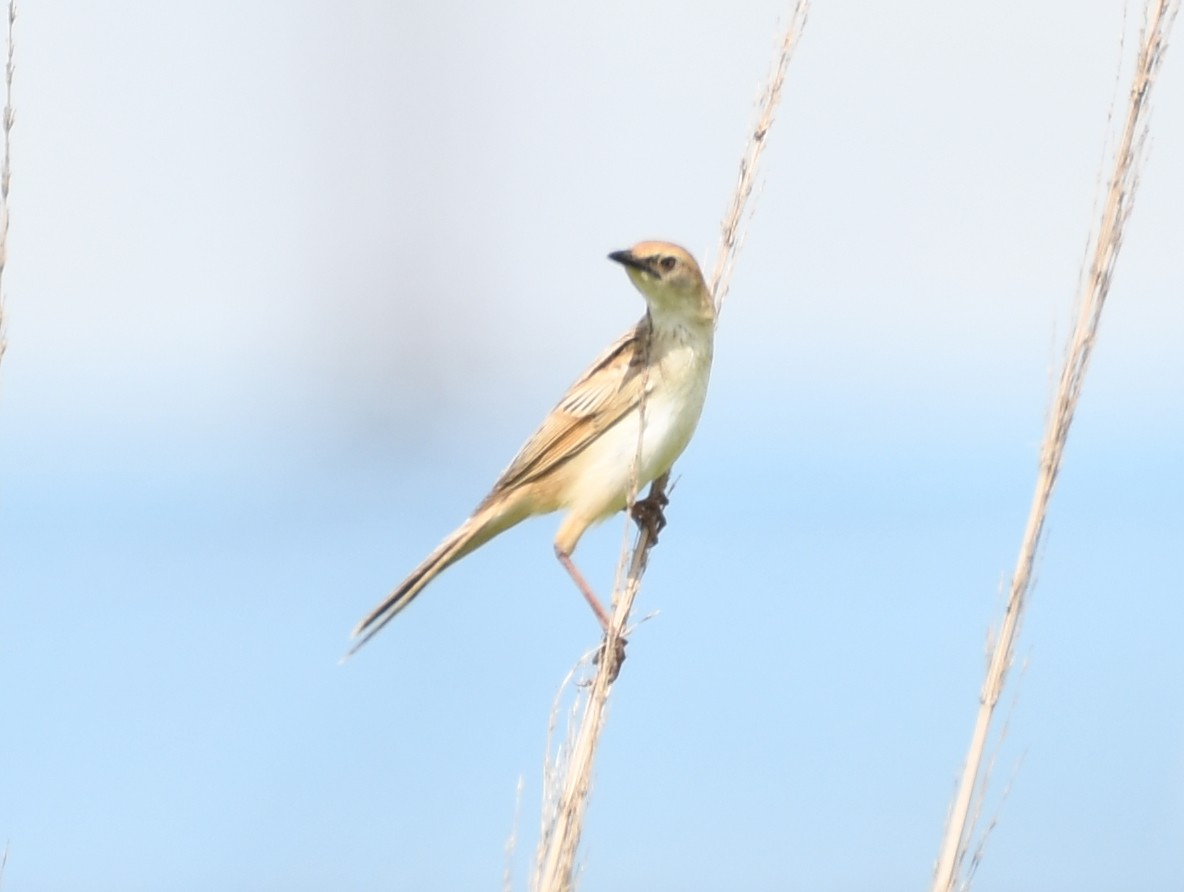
[(290, 283)]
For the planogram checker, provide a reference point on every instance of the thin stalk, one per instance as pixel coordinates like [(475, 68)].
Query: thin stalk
[(1095, 286), (566, 800)]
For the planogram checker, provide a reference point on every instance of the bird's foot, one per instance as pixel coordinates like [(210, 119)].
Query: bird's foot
[(647, 513), (615, 659)]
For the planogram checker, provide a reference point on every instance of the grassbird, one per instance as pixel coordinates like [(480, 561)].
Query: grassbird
[(619, 426)]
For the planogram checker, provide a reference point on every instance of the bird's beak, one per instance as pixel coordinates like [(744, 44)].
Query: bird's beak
[(627, 258)]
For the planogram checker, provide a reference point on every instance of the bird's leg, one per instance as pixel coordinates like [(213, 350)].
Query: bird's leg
[(585, 589), (618, 655), (648, 515)]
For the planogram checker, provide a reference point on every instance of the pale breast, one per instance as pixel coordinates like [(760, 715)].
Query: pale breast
[(601, 475)]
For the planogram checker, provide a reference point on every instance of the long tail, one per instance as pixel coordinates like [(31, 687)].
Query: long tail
[(471, 535)]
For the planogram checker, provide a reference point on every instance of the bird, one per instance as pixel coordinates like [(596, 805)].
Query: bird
[(621, 425)]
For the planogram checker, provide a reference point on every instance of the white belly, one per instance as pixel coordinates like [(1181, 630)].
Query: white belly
[(612, 465)]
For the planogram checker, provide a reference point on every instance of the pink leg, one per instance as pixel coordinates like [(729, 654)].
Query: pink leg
[(618, 656), (585, 589)]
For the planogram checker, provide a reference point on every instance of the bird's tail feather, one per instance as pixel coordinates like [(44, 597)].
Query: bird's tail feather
[(472, 534)]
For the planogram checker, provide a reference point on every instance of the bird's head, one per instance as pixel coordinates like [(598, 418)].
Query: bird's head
[(668, 278)]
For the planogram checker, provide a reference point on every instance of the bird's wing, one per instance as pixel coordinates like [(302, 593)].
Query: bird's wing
[(609, 390)]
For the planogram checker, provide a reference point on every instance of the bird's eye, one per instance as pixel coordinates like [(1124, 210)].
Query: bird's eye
[(667, 263)]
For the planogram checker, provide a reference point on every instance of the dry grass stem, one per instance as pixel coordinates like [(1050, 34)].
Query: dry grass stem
[(569, 774), (511, 846), (734, 225), (556, 771), (6, 168), (1094, 287)]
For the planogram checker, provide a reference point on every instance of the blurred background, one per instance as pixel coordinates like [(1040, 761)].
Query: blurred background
[(289, 285)]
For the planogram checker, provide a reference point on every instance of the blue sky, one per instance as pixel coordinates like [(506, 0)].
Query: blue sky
[(287, 289)]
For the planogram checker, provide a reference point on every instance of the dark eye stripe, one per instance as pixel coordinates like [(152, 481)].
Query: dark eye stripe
[(667, 263)]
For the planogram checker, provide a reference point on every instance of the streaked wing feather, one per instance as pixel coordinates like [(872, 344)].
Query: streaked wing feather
[(609, 390)]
